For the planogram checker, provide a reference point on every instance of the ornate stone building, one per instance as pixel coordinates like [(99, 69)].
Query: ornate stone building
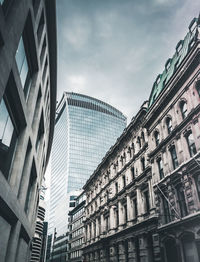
[(121, 221), (142, 202), (173, 126), (76, 229)]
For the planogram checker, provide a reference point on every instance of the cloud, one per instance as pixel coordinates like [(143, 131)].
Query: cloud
[(76, 32), (113, 50)]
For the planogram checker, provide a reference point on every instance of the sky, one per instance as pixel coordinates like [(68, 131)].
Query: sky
[(113, 50)]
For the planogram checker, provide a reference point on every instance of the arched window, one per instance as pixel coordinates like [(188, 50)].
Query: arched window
[(143, 139), (133, 148), (157, 137), (191, 144), (139, 142), (169, 125), (183, 107), (198, 87), (129, 151), (124, 156)]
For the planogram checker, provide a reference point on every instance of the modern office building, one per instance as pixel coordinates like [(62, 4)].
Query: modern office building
[(143, 200), (84, 131), (27, 114), (76, 229)]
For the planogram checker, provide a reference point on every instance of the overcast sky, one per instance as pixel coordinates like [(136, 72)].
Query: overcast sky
[(114, 49)]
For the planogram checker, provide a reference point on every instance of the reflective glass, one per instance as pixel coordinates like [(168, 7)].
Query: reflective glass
[(6, 126), (22, 65), (85, 130)]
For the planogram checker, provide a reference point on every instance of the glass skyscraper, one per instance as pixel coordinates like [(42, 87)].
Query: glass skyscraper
[(85, 129)]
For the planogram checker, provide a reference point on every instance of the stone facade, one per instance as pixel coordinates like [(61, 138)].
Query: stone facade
[(27, 113), (142, 202), (76, 230)]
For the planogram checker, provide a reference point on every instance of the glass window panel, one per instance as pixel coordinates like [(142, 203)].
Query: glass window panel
[(3, 118), (6, 126), (20, 55), (8, 133), (24, 72)]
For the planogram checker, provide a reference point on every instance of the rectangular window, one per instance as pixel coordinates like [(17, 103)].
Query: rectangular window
[(143, 163), (133, 172), (160, 168), (23, 67), (166, 217), (116, 187), (40, 132), (181, 200), (197, 182), (8, 138), (146, 197), (117, 217), (135, 210), (125, 214), (40, 27), (30, 190), (198, 87), (1, 2), (6, 126), (191, 144), (174, 157), (124, 181)]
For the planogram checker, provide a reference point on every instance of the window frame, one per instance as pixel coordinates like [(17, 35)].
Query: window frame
[(184, 111), (157, 137), (174, 159), (169, 125)]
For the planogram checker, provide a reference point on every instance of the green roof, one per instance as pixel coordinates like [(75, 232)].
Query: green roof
[(172, 64)]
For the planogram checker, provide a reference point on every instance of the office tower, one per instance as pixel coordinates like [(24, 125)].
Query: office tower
[(84, 131), (27, 113)]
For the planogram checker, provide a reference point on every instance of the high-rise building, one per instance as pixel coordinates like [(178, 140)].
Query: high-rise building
[(84, 131), (27, 115)]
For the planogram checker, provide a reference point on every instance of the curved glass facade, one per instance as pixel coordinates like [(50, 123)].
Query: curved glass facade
[(85, 130)]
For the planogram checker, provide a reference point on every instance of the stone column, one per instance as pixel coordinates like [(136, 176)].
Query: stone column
[(113, 254), (88, 232), (112, 219), (131, 250), (121, 215), (140, 204), (92, 230), (102, 225), (97, 227), (156, 247), (181, 149), (121, 255), (129, 210), (151, 196), (96, 256), (143, 248)]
